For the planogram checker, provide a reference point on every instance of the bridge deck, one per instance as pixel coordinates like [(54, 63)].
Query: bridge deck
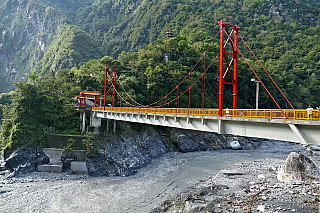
[(287, 125), (287, 114)]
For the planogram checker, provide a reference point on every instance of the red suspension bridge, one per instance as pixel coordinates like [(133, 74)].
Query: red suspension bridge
[(294, 125)]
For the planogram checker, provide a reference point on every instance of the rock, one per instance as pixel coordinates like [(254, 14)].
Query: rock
[(231, 172), (298, 168), (314, 147), (138, 144), (190, 141), (25, 160), (264, 198), (123, 156), (217, 210), (261, 176), (235, 145), (261, 208), (272, 169)]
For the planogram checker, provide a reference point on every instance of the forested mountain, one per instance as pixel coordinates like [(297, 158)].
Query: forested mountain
[(38, 36), (27, 29), (66, 44)]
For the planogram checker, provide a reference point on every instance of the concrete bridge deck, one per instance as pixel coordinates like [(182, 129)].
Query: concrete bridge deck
[(288, 125)]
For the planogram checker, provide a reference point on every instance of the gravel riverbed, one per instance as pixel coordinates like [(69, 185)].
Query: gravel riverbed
[(174, 182)]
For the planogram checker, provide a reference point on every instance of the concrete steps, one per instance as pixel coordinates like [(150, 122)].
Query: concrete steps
[(55, 166)]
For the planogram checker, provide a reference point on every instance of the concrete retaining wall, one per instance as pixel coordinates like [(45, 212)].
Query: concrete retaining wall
[(61, 141)]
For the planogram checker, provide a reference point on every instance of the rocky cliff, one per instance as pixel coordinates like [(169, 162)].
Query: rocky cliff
[(26, 30), (135, 145)]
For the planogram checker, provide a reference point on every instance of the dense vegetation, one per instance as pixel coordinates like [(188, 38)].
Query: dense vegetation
[(72, 47), (55, 42), (35, 111)]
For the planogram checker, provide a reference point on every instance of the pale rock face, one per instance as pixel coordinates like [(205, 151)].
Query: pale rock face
[(298, 168)]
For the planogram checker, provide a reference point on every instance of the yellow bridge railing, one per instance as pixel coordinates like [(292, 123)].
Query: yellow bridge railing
[(295, 114)]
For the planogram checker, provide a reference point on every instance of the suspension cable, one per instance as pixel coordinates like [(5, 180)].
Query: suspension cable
[(129, 95), (188, 73), (121, 96), (266, 71), (259, 79), (192, 83)]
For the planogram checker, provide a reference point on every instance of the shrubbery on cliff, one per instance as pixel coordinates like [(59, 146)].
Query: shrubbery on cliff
[(36, 112)]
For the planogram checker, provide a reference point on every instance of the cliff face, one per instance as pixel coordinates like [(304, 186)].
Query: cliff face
[(26, 30), (135, 145)]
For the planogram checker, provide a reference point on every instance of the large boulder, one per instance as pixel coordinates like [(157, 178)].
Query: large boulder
[(298, 168), (25, 160)]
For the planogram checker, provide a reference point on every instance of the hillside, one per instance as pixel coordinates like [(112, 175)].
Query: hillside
[(130, 25), (72, 47), (27, 28), (41, 35)]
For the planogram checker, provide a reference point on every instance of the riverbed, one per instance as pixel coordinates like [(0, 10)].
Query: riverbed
[(160, 180)]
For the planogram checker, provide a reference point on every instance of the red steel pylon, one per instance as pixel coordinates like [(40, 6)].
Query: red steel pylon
[(224, 60)]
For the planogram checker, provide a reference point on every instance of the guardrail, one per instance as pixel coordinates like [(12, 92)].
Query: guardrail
[(295, 114)]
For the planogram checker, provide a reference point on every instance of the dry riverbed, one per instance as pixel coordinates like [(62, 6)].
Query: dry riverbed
[(216, 181)]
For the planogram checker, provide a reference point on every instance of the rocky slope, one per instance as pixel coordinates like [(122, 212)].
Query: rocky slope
[(249, 187), (26, 30), (132, 147), (135, 145)]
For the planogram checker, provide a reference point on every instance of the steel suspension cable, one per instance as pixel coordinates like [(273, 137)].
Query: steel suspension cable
[(192, 83), (266, 71), (187, 74), (259, 79), (129, 95), (156, 103), (121, 96)]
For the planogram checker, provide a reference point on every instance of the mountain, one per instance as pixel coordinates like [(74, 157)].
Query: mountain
[(39, 35), (27, 29), (129, 25), (72, 47)]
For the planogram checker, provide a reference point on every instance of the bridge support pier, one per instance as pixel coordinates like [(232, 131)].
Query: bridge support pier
[(95, 122), (299, 134), (107, 125), (114, 126), (221, 127), (83, 121)]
